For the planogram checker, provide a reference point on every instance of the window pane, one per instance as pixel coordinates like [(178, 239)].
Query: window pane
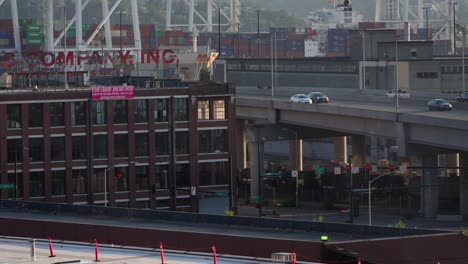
[(100, 146), (56, 114), (57, 148), (161, 176), (141, 178), (58, 182), (98, 180), (99, 113), (140, 111), (220, 140), (204, 170), (36, 115), (160, 110), (121, 178), (219, 110), (141, 144), (14, 116), (181, 113), (182, 175), (162, 143), (204, 141), (79, 147), (18, 180), (36, 183), (14, 149), (78, 114), (221, 175), (120, 112), (203, 110), (182, 142), (121, 145), (36, 149), (79, 181)]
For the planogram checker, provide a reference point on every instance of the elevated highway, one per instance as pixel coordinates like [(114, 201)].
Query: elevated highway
[(416, 131)]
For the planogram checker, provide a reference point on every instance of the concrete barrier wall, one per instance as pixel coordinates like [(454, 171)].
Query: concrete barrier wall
[(182, 217)]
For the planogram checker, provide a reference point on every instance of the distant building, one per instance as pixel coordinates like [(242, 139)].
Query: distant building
[(58, 146)]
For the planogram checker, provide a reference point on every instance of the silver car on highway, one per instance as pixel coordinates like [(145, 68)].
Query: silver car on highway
[(301, 98)]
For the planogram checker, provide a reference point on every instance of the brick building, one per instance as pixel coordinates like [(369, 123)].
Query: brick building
[(150, 151)]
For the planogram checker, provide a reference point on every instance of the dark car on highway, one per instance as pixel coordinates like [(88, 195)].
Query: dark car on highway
[(318, 97), (462, 98), (439, 105)]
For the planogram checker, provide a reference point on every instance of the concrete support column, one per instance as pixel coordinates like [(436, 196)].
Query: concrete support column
[(241, 146), (340, 149), (295, 155), (358, 151), (401, 143), (464, 185), (256, 168), (430, 183)]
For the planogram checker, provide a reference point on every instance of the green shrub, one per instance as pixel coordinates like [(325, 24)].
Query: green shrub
[(229, 213), (318, 219), (399, 224)]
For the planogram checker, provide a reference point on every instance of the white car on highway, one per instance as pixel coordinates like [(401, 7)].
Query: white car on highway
[(401, 94), (301, 98)]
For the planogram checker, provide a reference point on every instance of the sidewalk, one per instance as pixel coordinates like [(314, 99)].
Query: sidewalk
[(309, 211)]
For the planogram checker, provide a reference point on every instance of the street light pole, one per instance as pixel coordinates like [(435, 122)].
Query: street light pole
[(258, 32), (363, 87), (454, 3), (297, 169), (427, 7), (369, 195), (396, 75), (16, 172), (120, 39), (219, 30), (463, 59)]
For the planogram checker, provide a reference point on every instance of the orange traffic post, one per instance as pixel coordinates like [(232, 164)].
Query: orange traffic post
[(161, 252), (359, 260), (214, 254), (50, 249), (293, 258), (96, 250)]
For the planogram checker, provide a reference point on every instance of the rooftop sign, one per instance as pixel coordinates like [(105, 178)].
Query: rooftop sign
[(112, 92)]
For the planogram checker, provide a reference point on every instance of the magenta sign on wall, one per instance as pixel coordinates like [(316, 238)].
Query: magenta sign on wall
[(112, 92)]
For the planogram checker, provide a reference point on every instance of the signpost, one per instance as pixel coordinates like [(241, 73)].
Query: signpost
[(7, 186)]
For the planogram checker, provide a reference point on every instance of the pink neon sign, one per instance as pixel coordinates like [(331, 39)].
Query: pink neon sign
[(112, 92)]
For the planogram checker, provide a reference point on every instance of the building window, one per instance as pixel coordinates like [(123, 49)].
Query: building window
[(160, 110), (204, 141), (162, 143), (141, 178), (36, 183), (99, 113), (203, 110), (14, 150), (79, 147), (121, 145), (220, 140), (182, 142), (58, 182), (161, 176), (427, 75), (120, 112), (100, 146), (219, 110), (121, 179), (182, 175), (140, 111), (57, 144), (99, 180), (36, 115), (221, 173), (36, 149), (56, 115), (414, 53), (16, 178), (141, 144), (78, 114), (14, 116), (181, 113), (204, 172), (79, 181)]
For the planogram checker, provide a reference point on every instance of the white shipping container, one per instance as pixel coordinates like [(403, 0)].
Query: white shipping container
[(116, 33)]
